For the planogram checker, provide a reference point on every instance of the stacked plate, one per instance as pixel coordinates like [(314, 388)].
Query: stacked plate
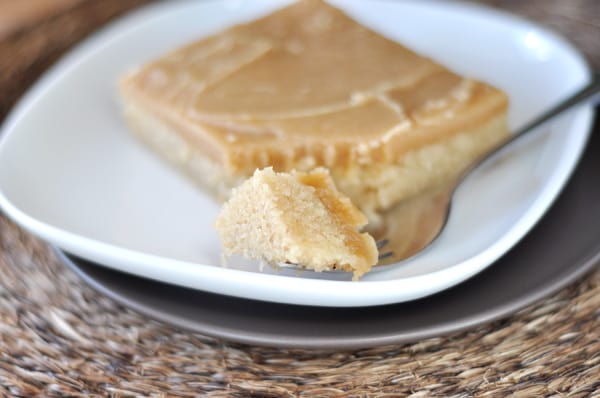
[(71, 173)]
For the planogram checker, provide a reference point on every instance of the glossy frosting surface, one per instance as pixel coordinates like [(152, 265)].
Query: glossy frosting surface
[(309, 77)]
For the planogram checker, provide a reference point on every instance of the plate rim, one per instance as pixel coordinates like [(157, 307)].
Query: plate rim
[(557, 283)]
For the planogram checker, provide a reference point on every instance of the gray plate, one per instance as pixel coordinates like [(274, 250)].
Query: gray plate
[(561, 248)]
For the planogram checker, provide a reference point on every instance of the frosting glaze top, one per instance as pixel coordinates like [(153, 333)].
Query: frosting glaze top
[(309, 84)]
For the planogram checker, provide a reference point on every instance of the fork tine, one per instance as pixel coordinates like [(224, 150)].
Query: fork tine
[(385, 255), (382, 243)]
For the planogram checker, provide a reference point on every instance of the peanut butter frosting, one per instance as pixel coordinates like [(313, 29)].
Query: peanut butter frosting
[(309, 86)]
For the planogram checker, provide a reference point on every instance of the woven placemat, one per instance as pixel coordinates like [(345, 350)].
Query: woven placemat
[(58, 337)]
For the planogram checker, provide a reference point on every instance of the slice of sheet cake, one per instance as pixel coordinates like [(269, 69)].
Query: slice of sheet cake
[(307, 86)]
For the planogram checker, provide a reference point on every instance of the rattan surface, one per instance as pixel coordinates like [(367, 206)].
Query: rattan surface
[(58, 337)]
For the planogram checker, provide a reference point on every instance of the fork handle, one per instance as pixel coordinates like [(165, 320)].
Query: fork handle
[(588, 93)]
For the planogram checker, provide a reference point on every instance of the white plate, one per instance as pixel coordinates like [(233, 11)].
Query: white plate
[(71, 173)]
